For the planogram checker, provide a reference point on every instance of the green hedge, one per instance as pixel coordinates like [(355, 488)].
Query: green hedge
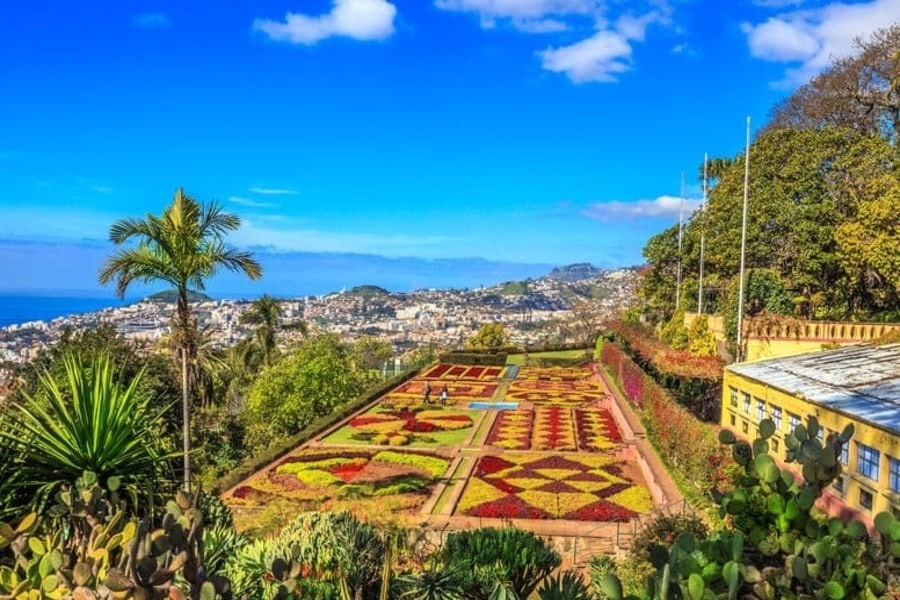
[(495, 358), (557, 361), (255, 463)]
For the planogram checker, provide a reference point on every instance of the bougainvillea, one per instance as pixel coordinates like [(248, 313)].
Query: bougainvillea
[(684, 441), (526, 485)]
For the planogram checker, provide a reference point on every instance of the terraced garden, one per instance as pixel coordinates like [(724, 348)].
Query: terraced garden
[(556, 455)]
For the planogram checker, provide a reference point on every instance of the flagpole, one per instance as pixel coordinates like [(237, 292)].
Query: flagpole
[(702, 234), (680, 230), (740, 315)]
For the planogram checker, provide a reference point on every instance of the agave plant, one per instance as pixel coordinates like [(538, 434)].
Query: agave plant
[(564, 586), (432, 584), (87, 422)]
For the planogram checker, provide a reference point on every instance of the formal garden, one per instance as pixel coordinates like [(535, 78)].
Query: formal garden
[(552, 452)]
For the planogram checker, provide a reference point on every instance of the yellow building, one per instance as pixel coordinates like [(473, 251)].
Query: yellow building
[(854, 384)]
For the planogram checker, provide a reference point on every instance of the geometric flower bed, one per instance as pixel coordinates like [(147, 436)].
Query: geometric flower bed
[(553, 373), (339, 473), (448, 371), (419, 425), (564, 393), (596, 429), (589, 429), (511, 430), (413, 391), (534, 486)]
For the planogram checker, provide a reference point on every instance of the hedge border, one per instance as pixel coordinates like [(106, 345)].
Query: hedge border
[(488, 358), (687, 444), (270, 455)]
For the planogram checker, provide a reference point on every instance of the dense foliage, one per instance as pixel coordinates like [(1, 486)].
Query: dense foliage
[(314, 379), (822, 230), (86, 421)]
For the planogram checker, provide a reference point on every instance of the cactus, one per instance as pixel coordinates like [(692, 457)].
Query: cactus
[(775, 547), (93, 550)]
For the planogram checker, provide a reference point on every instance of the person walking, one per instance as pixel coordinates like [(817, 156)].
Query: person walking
[(444, 395), (427, 392)]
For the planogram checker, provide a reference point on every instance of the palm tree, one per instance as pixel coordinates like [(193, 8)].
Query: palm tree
[(183, 247), (265, 313)]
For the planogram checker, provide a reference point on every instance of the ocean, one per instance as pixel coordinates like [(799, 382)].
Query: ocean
[(24, 308)]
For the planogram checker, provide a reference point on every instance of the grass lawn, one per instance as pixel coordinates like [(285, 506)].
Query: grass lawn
[(519, 359), (431, 439)]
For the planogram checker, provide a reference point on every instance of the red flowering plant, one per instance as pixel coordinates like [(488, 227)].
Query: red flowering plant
[(540, 486)]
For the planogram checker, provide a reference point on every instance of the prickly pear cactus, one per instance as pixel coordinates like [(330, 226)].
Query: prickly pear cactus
[(88, 549)]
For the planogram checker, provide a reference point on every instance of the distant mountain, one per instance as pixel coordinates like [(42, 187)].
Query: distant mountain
[(368, 291), (576, 272), (170, 296)]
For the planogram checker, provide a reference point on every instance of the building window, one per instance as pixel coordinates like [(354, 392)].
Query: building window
[(867, 461), (895, 475), (821, 435), (776, 417), (774, 445), (734, 397), (760, 409), (746, 402), (838, 485), (733, 421), (845, 453), (744, 427), (793, 422), (865, 499)]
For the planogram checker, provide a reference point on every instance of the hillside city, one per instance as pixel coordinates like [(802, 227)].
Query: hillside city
[(533, 312)]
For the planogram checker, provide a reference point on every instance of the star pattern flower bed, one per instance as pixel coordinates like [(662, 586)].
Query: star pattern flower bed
[(527, 373), (564, 393), (325, 474), (450, 371), (413, 391), (526, 485), (589, 429), (412, 425)]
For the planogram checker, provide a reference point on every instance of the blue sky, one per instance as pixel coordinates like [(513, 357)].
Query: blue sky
[(526, 133)]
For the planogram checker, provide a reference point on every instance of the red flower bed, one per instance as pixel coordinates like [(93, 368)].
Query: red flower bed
[(488, 465), (347, 472), (508, 507), (602, 510), (593, 436), (243, 492), (437, 371), (503, 432), (534, 486)]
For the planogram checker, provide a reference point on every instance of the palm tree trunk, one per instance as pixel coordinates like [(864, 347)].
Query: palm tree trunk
[(182, 311), (186, 418)]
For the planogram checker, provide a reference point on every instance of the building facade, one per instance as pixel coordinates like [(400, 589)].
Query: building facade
[(854, 384)]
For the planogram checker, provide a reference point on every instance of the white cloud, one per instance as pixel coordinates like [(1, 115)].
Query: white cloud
[(664, 206), (540, 25), (267, 191), (357, 19), (598, 58), (293, 235), (151, 20), (530, 16), (812, 38), (250, 203)]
